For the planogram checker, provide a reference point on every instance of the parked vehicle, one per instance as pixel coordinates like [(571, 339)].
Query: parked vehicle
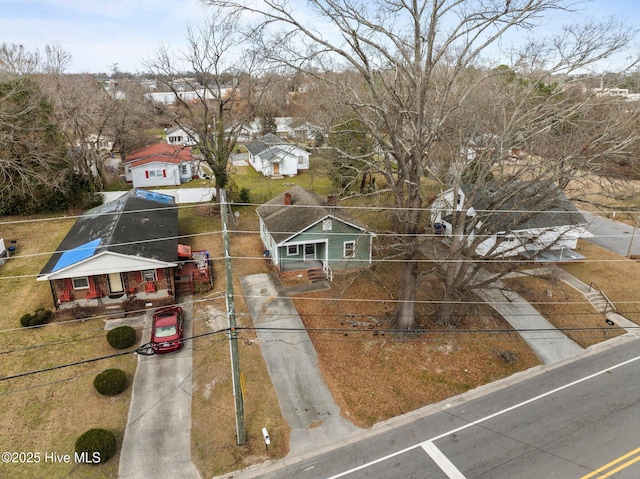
[(167, 331)]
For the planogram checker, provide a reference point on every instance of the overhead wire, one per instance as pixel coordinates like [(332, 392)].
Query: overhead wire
[(358, 300)]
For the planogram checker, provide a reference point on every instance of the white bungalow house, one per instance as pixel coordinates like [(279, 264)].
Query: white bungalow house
[(272, 156), (546, 229), (177, 135), (159, 165)]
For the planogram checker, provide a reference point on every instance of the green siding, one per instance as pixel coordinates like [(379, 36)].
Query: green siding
[(339, 234)]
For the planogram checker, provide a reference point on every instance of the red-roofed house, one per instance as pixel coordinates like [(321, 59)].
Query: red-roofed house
[(159, 165)]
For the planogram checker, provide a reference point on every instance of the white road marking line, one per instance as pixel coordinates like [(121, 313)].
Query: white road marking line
[(486, 418), (442, 461)]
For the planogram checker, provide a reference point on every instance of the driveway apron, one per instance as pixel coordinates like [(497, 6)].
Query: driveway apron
[(157, 439), (292, 362)]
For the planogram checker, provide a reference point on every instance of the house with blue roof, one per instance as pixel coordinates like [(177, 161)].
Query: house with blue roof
[(124, 249)]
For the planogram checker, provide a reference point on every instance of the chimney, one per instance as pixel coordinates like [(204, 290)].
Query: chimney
[(287, 198), (331, 200)]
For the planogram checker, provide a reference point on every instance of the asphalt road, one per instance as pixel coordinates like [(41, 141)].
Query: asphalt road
[(563, 422)]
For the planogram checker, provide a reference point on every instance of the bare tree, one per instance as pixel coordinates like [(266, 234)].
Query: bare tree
[(32, 148), (218, 68), (418, 64)]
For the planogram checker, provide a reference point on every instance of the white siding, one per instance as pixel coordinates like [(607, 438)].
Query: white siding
[(155, 174)]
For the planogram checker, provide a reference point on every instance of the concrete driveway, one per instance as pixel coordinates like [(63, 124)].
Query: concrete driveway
[(157, 439), (613, 235), (292, 361)]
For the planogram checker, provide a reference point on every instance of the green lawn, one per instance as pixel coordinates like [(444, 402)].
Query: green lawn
[(262, 189)]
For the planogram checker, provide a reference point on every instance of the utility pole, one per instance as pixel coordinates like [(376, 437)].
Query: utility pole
[(633, 234), (231, 316)]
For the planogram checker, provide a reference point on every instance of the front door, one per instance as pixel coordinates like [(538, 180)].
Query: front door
[(309, 251), (115, 283), (276, 168)]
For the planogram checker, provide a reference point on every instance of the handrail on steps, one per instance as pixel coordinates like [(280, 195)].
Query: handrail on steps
[(592, 285)]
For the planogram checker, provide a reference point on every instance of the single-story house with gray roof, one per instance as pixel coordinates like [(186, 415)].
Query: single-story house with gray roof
[(529, 219), (272, 156), (122, 249), (303, 231)]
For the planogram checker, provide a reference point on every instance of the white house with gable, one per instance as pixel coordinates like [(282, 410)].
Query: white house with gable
[(272, 156)]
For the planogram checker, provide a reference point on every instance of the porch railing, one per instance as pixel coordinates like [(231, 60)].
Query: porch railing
[(327, 270)]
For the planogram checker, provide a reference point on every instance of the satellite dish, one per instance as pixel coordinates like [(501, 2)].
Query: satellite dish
[(236, 214)]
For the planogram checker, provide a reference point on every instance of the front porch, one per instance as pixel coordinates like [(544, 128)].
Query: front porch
[(311, 270), (111, 301), (129, 290), (299, 265)]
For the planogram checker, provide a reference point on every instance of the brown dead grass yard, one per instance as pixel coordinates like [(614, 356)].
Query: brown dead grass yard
[(373, 373)]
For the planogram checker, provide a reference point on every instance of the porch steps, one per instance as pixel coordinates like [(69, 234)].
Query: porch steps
[(316, 275), (114, 311), (184, 288), (599, 301)]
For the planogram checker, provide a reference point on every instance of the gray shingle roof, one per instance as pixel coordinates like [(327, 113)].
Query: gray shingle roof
[(259, 145), (129, 225), (525, 205), (284, 221)]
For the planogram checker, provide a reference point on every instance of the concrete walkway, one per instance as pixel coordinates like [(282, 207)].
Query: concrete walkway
[(549, 344), (157, 439), (598, 300), (292, 361)]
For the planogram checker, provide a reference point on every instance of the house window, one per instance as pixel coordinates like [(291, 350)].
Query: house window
[(327, 225), (80, 283), (184, 170), (292, 250), (349, 249), (155, 173), (149, 274)]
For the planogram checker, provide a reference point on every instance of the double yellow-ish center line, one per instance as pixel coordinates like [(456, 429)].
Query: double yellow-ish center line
[(615, 466)]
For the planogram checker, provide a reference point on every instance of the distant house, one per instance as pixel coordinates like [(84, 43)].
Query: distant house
[(187, 95), (272, 156), (93, 142), (123, 249), (159, 165), (550, 234), (303, 231), (177, 135)]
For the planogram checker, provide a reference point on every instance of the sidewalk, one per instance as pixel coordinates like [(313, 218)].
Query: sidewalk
[(549, 344), (292, 362), (587, 291)]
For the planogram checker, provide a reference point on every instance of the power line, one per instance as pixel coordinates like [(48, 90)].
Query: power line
[(374, 208), (398, 335)]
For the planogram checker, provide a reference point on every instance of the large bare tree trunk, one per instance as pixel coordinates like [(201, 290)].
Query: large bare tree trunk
[(405, 313)]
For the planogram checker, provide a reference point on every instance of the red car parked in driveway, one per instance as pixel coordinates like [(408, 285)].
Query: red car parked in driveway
[(167, 329)]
